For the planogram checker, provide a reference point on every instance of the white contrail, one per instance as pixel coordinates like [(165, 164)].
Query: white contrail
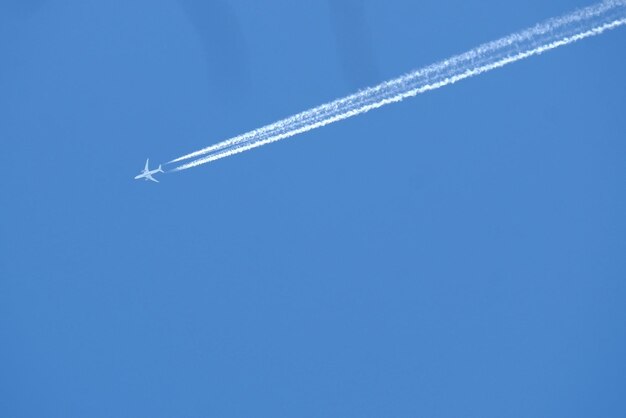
[(552, 34)]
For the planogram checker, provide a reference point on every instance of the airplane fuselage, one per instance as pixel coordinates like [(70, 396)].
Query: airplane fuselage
[(146, 175)]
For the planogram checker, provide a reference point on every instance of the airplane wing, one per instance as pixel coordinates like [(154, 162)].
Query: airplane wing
[(147, 162), (153, 179)]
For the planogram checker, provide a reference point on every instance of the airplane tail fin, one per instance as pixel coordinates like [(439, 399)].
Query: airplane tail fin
[(160, 169)]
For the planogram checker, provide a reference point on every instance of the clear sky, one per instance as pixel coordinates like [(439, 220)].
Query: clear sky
[(458, 254)]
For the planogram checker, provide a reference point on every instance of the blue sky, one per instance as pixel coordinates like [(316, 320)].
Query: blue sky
[(465, 260)]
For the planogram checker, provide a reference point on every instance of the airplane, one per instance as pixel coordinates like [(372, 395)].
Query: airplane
[(146, 173)]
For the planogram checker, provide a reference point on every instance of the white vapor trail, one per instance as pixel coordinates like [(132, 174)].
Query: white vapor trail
[(554, 33)]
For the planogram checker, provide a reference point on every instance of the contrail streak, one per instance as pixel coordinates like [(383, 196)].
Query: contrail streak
[(554, 33)]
